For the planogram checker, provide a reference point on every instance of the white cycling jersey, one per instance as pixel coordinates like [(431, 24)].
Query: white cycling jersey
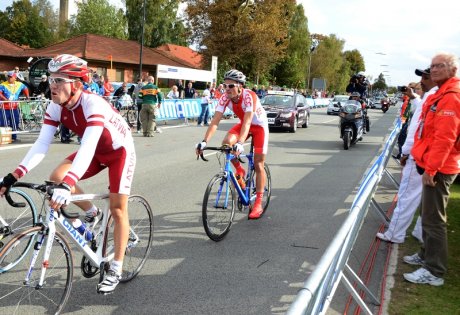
[(248, 102), (100, 126)]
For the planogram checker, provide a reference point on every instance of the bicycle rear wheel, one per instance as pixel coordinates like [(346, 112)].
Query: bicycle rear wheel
[(140, 237), (17, 219), (20, 297), (218, 207), (267, 188)]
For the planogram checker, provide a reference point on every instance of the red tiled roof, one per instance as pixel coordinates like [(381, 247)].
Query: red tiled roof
[(184, 53), (7, 48), (98, 47)]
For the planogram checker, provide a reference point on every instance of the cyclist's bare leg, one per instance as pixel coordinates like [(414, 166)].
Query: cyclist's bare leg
[(231, 139), (259, 161), (119, 211), (58, 175)]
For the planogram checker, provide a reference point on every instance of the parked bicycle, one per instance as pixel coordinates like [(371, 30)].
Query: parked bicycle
[(219, 198), (41, 282)]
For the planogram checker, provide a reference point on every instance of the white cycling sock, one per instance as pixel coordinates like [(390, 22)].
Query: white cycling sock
[(91, 212), (116, 266)]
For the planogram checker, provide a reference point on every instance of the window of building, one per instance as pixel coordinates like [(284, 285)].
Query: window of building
[(119, 75)]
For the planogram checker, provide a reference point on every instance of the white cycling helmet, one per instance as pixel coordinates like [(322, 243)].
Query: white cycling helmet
[(235, 75)]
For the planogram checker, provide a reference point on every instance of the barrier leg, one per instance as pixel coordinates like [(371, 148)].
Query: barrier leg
[(381, 212)]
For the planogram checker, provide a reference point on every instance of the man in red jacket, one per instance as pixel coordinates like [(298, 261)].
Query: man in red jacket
[(436, 152)]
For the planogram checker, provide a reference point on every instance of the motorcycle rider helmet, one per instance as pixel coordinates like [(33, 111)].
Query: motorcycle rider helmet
[(235, 75), (361, 74), (355, 94), (69, 65)]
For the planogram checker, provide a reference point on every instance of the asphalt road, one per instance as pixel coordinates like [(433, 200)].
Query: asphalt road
[(260, 265)]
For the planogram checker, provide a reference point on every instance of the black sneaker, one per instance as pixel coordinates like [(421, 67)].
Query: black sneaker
[(109, 283)]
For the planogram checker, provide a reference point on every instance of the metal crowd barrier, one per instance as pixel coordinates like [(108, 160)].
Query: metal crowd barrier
[(23, 115), (318, 290)]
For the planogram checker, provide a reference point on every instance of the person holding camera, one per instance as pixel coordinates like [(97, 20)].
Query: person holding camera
[(358, 83)]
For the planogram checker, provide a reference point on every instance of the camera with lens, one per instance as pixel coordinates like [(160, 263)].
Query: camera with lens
[(402, 89)]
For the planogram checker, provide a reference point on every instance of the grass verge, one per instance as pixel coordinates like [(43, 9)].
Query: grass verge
[(416, 299)]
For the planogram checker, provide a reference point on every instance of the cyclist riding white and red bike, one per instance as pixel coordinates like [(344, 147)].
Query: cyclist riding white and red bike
[(253, 120), (106, 142)]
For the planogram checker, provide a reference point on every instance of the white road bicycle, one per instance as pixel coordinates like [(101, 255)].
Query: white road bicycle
[(42, 280)]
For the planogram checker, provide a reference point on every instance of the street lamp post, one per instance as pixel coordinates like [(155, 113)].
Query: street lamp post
[(314, 45), (142, 41)]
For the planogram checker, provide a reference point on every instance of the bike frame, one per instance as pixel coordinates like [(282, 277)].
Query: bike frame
[(228, 172), (53, 217)]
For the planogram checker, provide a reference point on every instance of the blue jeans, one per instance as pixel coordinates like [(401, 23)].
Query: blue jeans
[(204, 114)]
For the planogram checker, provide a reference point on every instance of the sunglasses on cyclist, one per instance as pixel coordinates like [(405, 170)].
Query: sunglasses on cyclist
[(59, 80), (229, 86)]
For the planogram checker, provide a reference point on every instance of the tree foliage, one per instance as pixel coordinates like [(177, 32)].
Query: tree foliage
[(249, 35), (328, 62), (292, 69), (27, 23), (161, 23), (380, 83), (355, 60), (98, 17)]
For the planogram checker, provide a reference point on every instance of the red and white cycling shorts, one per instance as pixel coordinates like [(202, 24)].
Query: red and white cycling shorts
[(121, 164), (259, 135)]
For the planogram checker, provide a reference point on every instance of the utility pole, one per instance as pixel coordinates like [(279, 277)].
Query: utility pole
[(142, 40)]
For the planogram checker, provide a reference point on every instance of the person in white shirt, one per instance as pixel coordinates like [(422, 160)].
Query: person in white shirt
[(173, 94), (410, 188)]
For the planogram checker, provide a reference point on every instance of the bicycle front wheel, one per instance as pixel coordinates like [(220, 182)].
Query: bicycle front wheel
[(267, 188), (17, 219), (140, 237), (218, 207), (26, 297)]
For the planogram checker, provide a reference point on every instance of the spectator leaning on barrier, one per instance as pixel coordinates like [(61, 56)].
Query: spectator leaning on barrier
[(10, 90), (410, 188), (436, 152), (189, 91), (151, 102), (173, 93)]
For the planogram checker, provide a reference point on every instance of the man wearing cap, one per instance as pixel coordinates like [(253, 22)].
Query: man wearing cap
[(436, 152), (10, 90), (44, 87), (410, 188)]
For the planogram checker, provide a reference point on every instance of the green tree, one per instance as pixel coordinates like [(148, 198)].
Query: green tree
[(328, 62), (162, 26), (292, 70), (379, 83), (251, 36), (24, 23), (98, 17), (355, 60)]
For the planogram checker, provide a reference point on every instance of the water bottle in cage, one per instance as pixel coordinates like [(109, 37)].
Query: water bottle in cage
[(82, 229)]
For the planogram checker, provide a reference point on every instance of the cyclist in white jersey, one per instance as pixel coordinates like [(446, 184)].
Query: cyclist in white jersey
[(106, 142), (253, 120)]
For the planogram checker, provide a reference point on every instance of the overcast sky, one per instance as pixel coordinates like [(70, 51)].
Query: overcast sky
[(401, 34)]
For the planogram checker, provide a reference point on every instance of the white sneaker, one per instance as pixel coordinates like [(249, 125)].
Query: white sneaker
[(423, 276), (414, 260), (158, 130), (109, 283), (92, 221), (382, 237)]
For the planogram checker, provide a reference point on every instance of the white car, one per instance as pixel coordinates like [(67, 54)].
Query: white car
[(334, 107)]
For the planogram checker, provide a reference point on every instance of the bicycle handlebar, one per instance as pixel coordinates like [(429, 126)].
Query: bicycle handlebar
[(224, 148), (44, 188)]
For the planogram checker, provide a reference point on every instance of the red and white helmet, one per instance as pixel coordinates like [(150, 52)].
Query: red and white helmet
[(69, 65)]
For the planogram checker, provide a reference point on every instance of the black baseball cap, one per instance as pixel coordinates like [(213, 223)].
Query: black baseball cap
[(421, 72)]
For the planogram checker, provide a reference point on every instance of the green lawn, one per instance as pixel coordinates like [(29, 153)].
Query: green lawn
[(416, 299)]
